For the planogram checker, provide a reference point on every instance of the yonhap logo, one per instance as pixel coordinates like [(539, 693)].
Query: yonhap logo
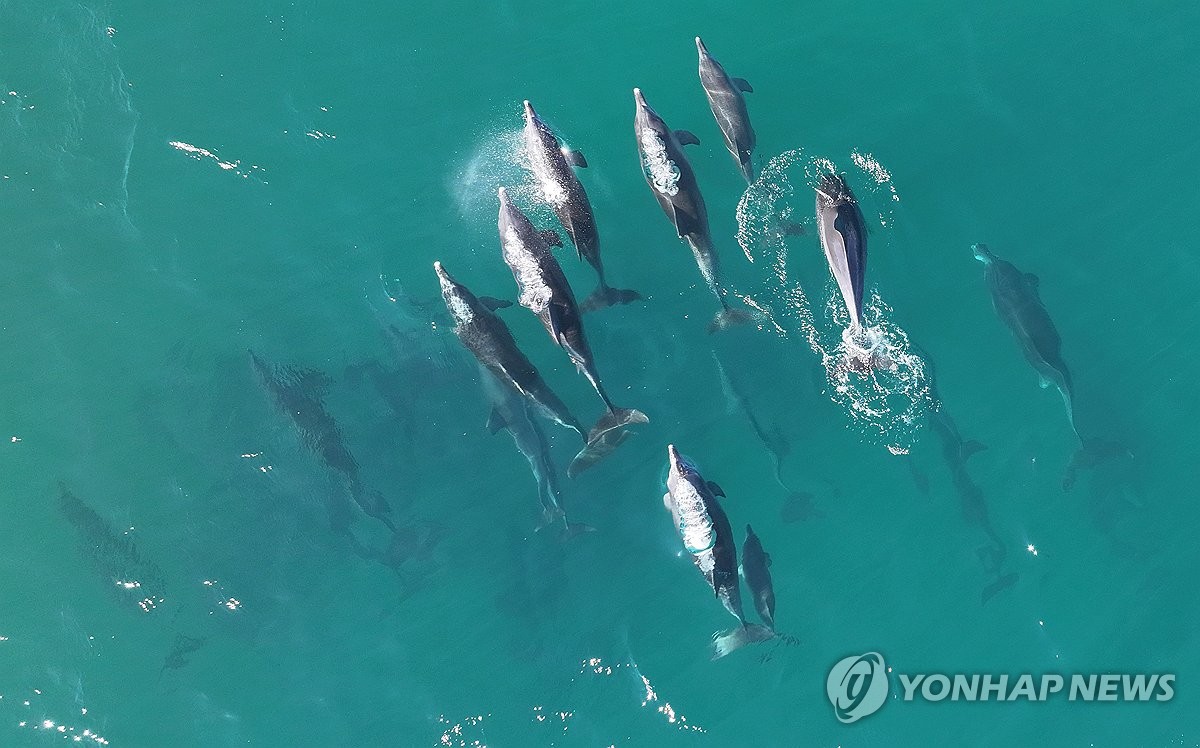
[(857, 686)]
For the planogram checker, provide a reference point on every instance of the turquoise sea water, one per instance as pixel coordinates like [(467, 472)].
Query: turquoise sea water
[(182, 184)]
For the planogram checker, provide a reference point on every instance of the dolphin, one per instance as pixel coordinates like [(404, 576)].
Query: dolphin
[(137, 582), (729, 107), (707, 535), (510, 411), (772, 438), (843, 235), (673, 184), (1016, 301), (488, 339), (545, 292), (756, 571), (551, 164), (298, 392)]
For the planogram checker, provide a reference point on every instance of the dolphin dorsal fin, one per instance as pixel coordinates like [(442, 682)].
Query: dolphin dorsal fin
[(712, 486), (574, 158), (1032, 281), (553, 313), (766, 559), (743, 85), (495, 421), (551, 237)]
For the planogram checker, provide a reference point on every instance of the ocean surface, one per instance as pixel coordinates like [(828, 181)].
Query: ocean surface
[(183, 184)]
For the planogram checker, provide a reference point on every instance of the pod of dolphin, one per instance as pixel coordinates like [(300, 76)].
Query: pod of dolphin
[(517, 390), (519, 397)]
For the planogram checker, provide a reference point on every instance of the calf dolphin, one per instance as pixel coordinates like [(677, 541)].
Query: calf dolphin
[(551, 164), (729, 107), (673, 183), (708, 537), (488, 339), (545, 292), (843, 235), (757, 573), (1016, 301), (510, 411)]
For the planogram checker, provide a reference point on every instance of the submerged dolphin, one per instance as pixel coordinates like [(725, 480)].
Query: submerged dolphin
[(756, 571), (510, 412), (673, 183), (1016, 301), (551, 164), (707, 535), (298, 392), (545, 292), (729, 107), (843, 235), (488, 339)]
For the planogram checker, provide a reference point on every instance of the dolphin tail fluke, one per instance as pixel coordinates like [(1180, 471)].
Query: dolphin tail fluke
[(607, 296), (729, 317), (615, 419), (731, 641), (968, 448)]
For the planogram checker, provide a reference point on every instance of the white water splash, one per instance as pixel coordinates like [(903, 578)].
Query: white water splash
[(872, 373), (202, 154)]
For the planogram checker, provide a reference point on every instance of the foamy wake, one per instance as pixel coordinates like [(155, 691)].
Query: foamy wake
[(872, 373)]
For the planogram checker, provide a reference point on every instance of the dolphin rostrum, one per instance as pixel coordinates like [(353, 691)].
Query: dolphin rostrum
[(551, 164), (673, 183), (729, 107), (708, 537), (545, 292), (1016, 301), (843, 235)]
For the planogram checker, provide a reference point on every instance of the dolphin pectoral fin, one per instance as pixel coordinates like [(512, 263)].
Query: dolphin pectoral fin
[(495, 421), (1032, 281), (492, 303), (717, 490), (574, 158), (767, 559), (551, 237), (743, 85), (686, 137)]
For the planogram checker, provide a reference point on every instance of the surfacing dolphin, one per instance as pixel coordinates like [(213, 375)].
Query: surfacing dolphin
[(673, 184), (843, 235), (544, 290), (1016, 301), (551, 164), (488, 339), (708, 537), (510, 411), (729, 107)]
